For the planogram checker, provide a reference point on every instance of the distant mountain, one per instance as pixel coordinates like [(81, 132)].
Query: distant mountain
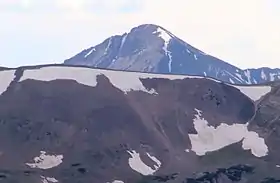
[(2, 68), (151, 48), (104, 126)]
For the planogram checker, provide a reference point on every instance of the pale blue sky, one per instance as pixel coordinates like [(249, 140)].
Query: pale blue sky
[(242, 32)]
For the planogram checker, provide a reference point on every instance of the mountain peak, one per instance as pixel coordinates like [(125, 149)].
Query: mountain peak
[(147, 26), (152, 48), (153, 29), (115, 51)]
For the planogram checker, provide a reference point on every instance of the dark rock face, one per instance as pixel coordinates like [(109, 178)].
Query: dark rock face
[(231, 174), (95, 128), (237, 173), (267, 122), (153, 49)]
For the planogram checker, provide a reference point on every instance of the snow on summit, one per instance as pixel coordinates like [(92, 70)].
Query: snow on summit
[(166, 38), (163, 35), (147, 48)]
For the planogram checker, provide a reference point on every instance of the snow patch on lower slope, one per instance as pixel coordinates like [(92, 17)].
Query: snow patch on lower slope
[(125, 81), (6, 77), (48, 179), (117, 181), (209, 138), (139, 166), (46, 161), (155, 160)]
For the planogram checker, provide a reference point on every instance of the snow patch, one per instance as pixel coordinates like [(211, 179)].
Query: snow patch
[(255, 81), (166, 38), (86, 55), (239, 76), (123, 41), (247, 73), (195, 57), (254, 92), (46, 161), (116, 181), (87, 76), (48, 179), (272, 76), (170, 59), (139, 166), (163, 35), (108, 46), (209, 138), (263, 75), (253, 142), (155, 160), (6, 77), (231, 80), (81, 75)]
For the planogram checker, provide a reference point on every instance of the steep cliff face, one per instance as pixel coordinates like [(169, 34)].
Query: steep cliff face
[(76, 124), (152, 48)]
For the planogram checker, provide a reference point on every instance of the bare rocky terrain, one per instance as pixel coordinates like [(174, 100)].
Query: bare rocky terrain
[(72, 124)]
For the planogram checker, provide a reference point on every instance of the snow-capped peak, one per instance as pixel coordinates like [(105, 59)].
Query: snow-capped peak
[(163, 35), (152, 48)]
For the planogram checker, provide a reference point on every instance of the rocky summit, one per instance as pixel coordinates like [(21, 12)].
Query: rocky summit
[(152, 48), (71, 124)]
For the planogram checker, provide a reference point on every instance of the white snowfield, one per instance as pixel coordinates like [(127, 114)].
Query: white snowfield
[(254, 92), (46, 161), (139, 166), (6, 77), (48, 179), (117, 181), (125, 81), (209, 138)]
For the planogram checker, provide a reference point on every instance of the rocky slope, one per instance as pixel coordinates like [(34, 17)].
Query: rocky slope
[(151, 48), (76, 124)]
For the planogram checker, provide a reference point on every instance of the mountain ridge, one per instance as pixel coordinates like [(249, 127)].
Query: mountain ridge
[(131, 71), (94, 127), (154, 49)]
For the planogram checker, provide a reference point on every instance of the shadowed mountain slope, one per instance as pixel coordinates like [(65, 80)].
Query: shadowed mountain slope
[(77, 124)]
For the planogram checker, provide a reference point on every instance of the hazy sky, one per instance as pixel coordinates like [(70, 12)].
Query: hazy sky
[(245, 33)]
